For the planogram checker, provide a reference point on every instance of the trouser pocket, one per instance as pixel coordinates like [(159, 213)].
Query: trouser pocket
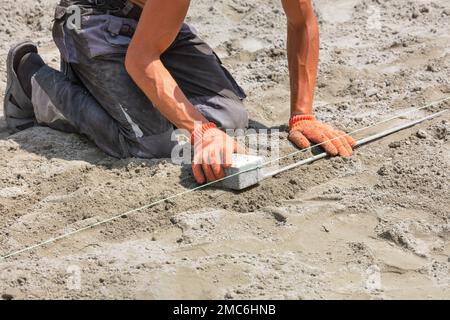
[(99, 35)]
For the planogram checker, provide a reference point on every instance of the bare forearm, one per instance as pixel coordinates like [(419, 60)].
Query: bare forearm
[(160, 87), (158, 27), (303, 55)]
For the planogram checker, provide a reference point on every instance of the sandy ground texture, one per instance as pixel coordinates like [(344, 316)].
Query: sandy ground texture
[(374, 226)]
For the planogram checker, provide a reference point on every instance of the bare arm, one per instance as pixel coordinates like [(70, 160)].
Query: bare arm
[(303, 53), (303, 56), (158, 27)]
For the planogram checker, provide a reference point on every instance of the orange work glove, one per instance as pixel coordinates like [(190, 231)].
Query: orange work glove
[(304, 129), (212, 152)]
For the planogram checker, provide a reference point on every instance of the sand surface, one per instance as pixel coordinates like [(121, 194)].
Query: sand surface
[(374, 226)]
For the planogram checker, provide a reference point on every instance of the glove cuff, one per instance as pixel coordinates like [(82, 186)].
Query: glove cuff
[(198, 133), (300, 118)]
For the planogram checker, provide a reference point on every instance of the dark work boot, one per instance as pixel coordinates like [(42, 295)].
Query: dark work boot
[(22, 63)]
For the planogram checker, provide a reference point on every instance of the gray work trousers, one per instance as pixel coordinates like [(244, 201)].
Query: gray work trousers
[(94, 95)]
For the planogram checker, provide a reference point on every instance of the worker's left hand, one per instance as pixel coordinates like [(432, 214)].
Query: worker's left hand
[(306, 129)]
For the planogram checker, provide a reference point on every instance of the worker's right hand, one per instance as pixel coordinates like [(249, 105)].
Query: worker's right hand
[(212, 153)]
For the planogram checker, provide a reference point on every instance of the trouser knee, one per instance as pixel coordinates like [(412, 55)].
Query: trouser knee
[(225, 112)]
